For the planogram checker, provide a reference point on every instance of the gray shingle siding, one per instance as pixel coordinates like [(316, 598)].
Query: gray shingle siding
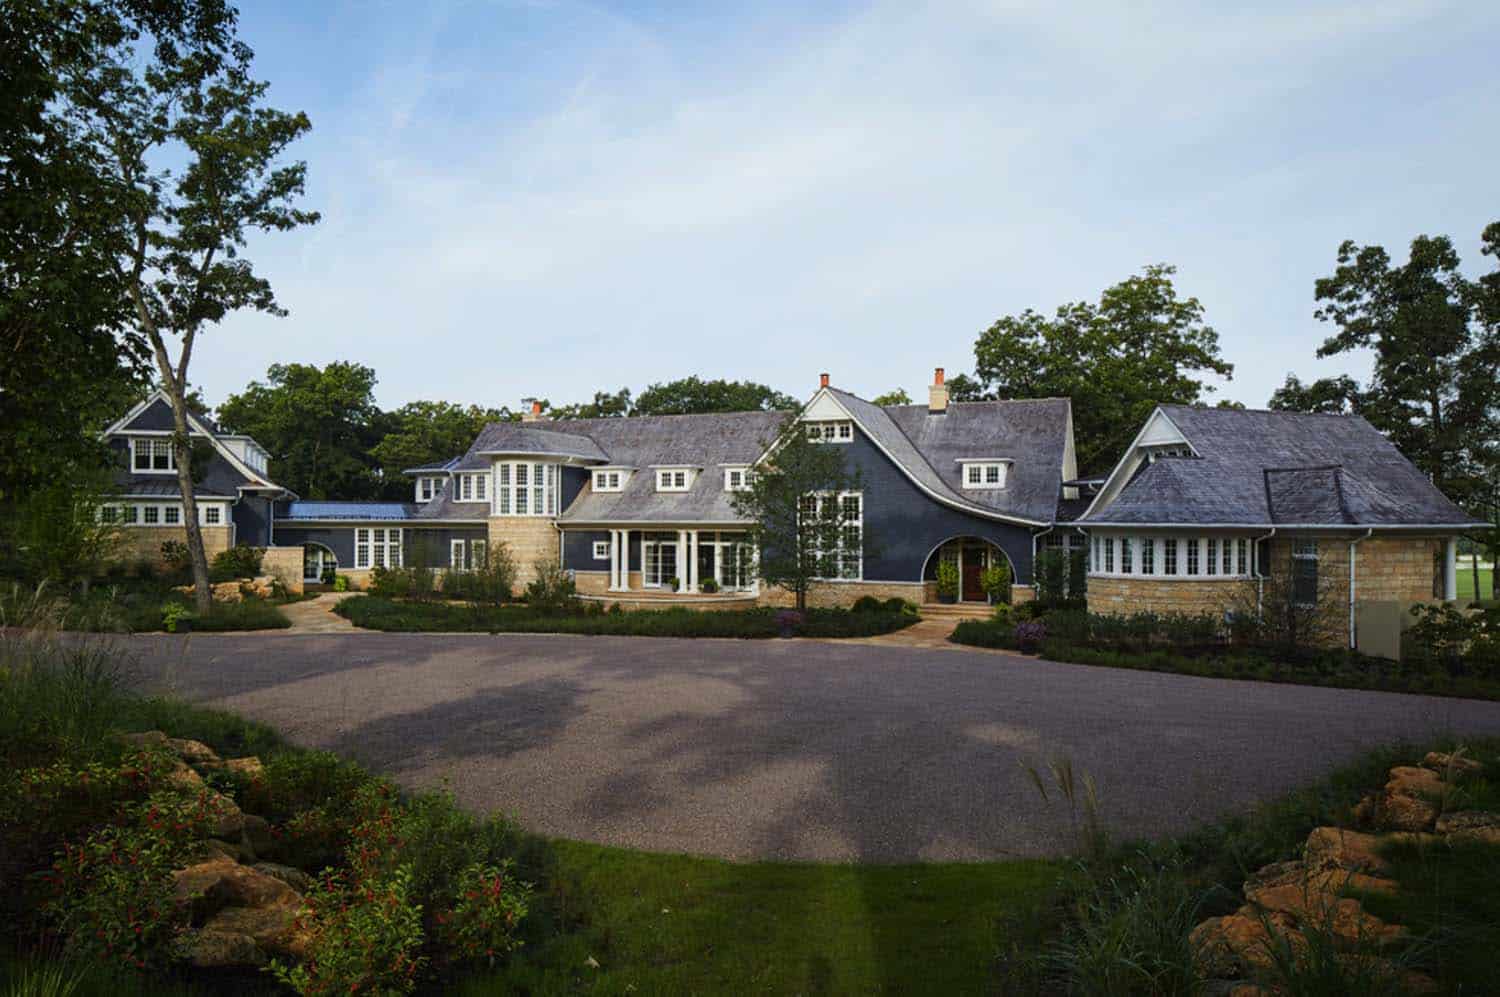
[(156, 417), (252, 521), (340, 539)]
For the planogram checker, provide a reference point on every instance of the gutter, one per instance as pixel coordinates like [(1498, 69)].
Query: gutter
[(1260, 579), (1035, 585), (1351, 582), (1444, 527)]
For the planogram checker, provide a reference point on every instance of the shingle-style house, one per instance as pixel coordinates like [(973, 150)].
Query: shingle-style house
[(1203, 501), (628, 505), (1206, 499), (233, 491)]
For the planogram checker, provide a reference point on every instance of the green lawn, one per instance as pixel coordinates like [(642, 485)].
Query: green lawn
[(672, 924), (1466, 582)]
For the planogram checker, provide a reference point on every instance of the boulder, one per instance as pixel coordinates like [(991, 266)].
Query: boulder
[(262, 586), (1345, 849), (273, 928), (228, 592), (223, 950), (1315, 905), (229, 820), (222, 882), (1232, 946), (1320, 884), (145, 739), (250, 768), (295, 878), (1457, 763), (184, 777), (1408, 780), (1471, 826), (1396, 812), (193, 752)]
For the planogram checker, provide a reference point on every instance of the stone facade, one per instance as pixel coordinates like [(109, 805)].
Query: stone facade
[(1124, 596), (1399, 569), (284, 563), (143, 543), (532, 540), (827, 595)]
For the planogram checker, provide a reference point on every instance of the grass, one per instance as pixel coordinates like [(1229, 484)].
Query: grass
[(1466, 582), (379, 613)]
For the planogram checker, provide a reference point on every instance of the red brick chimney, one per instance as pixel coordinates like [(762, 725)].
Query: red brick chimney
[(937, 395), (534, 413), (822, 380)]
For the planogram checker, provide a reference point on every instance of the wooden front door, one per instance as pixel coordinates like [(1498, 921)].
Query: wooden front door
[(973, 566)]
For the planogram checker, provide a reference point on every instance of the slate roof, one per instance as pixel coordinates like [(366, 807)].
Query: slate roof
[(528, 438), (441, 506), (352, 511), (1258, 467)]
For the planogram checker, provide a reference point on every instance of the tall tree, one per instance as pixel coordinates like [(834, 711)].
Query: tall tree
[(318, 424), (183, 137), (604, 406), (802, 528), (420, 433), (690, 395), (897, 396), (1329, 395), (1140, 346)]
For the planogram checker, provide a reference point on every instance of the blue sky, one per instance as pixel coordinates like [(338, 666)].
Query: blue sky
[(552, 198)]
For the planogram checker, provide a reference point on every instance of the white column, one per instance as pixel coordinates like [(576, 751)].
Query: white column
[(1450, 569), (692, 560), (681, 556), (624, 560), (614, 560)]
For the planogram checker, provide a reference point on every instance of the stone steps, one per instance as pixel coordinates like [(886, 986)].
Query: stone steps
[(955, 611)]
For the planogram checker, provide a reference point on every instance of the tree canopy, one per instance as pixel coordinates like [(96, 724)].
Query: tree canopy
[(691, 395), (422, 432), (1139, 346), (897, 396)]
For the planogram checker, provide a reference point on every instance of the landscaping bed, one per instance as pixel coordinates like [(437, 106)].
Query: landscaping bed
[(137, 607), (378, 613), (1443, 665)]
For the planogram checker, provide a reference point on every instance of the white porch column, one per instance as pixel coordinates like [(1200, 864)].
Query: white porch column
[(624, 560), (614, 560), (681, 557), (692, 560), (1450, 569)]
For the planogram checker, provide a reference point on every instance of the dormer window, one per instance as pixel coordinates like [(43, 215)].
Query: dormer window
[(473, 487), (609, 480), (152, 456), (426, 489), (981, 474), (834, 431), (736, 479), (673, 480)]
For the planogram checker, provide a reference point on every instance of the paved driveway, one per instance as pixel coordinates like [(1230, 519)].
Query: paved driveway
[(788, 749)]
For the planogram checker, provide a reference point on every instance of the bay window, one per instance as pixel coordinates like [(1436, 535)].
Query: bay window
[(525, 488), (1208, 557)]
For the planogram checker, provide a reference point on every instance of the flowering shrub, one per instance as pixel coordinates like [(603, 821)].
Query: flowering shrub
[(366, 936), (482, 922), (112, 894), (1029, 635)]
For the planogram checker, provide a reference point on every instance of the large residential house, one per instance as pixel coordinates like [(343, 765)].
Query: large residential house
[(1203, 501)]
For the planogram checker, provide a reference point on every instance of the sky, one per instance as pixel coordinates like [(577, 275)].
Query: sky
[(548, 199)]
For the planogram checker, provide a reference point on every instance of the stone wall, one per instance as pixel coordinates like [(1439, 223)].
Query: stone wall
[(1123, 596), (531, 539), (823, 595), (143, 543), (284, 563), (1397, 569)]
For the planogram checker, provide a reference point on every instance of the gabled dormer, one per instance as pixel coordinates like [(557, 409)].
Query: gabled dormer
[(675, 477), (1159, 439), (428, 479)]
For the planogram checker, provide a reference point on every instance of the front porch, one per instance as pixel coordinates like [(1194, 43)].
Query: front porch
[(684, 565)]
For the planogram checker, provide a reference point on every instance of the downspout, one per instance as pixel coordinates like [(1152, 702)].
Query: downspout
[(1351, 583), (1035, 586), (1260, 578)]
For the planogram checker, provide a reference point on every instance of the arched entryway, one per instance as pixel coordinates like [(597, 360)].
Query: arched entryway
[(972, 555), (316, 561)]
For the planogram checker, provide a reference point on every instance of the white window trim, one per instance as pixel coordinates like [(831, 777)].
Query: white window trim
[(666, 479), (840, 553), (1107, 552), (389, 544), (1000, 465), (151, 444), (503, 497), (829, 430), (601, 550), (458, 559), (744, 479), (609, 479)]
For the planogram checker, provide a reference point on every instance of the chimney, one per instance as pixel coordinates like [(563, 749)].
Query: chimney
[(822, 380), (533, 414), (937, 395)]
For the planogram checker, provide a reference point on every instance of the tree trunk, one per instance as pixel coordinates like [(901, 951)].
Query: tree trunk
[(182, 447), (1474, 565)]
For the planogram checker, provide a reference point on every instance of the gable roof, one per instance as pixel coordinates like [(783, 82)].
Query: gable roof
[(1258, 467), (154, 415)]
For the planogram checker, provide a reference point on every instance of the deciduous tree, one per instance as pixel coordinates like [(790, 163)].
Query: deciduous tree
[(690, 395), (897, 396), (423, 432)]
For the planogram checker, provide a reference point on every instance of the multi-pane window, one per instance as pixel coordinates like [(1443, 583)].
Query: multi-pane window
[(426, 488), (736, 479), (212, 515), (1305, 572), (525, 489), (830, 432), (109, 514), (172, 514), (151, 515), (1126, 556), (1242, 548), (1148, 556), (1228, 556), (1094, 563), (1192, 556), (479, 554), (129, 515), (601, 550), (152, 456), (672, 480), (1211, 562), (984, 474), (1169, 556), (1109, 555), (473, 487), (839, 522), (608, 481), (377, 547)]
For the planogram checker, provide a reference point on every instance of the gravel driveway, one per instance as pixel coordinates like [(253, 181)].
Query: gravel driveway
[(788, 749)]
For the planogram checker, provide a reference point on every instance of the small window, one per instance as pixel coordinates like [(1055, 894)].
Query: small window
[(1242, 548), (109, 514), (1228, 557), (601, 550), (151, 515), (984, 474), (1169, 556), (830, 432), (1127, 565), (153, 456), (1109, 555), (1305, 572), (456, 559), (425, 484), (129, 514), (479, 554), (1212, 561), (671, 481), (1148, 556), (608, 481), (212, 515), (1192, 556), (736, 479)]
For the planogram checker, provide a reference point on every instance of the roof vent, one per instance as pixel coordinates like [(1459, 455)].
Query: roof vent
[(937, 395)]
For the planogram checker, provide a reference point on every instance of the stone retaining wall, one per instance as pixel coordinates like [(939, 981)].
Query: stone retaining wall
[(143, 543), (284, 563)]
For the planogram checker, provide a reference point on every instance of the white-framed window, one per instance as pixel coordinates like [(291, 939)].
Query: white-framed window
[(832, 431), (171, 515), (473, 487), (1127, 556), (152, 456), (213, 515), (377, 547), (426, 489), (479, 554), (1109, 555), (736, 479), (846, 560), (130, 515), (672, 480), (525, 488), (1242, 555), (151, 515), (457, 555), (1211, 562), (1169, 556), (984, 474), (1305, 572), (1192, 555), (609, 480), (1148, 555), (601, 550), (1210, 558)]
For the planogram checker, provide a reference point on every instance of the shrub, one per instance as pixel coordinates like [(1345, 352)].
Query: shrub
[(341, 583), (481, 925), (406, 582), (176, 556), (173, 616), (947, 579), (492, 583), (552, 590), (1078, 574), (239, 561), (366, 937), (995, 580), (1029, 635), (708, 586), (867, 604), (1003, 615), (788, 621), (1051, 575), (896, 604)]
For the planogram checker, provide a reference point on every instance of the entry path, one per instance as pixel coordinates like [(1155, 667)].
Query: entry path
[(791, 749), (316, 615)]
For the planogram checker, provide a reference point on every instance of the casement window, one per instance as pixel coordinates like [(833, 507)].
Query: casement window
[(479, 554), (672, 480), (1228, 556), (457, 559), (1095, 564), (1169, 556), (736, 479), (426, 488), (1242, 549), (172, 515), (601, 550), (109, 514), (151, 515), (1109, 555), (152, 456), (525, 489), (1192, 556), (1148, 556), (609, 481), (212, 515), (1127, 556), (1212, 558), (840, 431), (377, 547), (130, 515), (1211, 562), (473, 487), (844, 559), (1305, 572), (985, 474)]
